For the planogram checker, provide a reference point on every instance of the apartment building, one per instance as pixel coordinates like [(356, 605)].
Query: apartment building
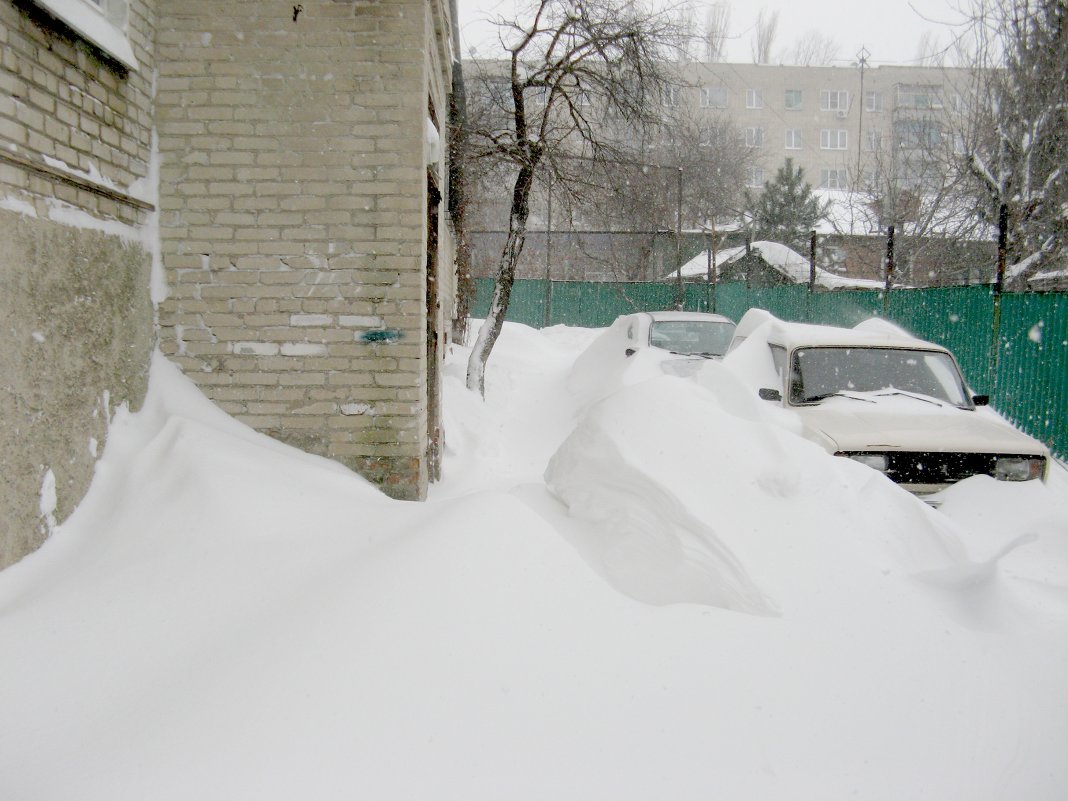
[(849, 128)]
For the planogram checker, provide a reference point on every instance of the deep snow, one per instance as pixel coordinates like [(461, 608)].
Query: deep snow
[(657, 592)]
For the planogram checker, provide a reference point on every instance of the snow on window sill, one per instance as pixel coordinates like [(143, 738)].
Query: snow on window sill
[(87, 21)]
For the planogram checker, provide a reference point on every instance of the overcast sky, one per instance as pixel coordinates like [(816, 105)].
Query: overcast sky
[(889, 29)]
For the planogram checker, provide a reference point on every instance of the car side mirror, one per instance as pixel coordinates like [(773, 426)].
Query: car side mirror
[(981, 400), (767, 393), (629, 352)]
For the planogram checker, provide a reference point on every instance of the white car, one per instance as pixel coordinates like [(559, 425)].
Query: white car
[(643, 344), (884, 398), (694, 334)]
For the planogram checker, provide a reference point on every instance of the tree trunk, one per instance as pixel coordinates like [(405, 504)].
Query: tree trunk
[(502, 289)]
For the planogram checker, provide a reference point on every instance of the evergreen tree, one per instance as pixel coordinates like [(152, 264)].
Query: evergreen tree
[(786, 210)]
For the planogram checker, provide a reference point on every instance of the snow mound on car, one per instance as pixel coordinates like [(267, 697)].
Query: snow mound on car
[(689, 496)]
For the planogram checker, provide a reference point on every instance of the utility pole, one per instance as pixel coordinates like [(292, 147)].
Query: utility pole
[(862, 59)]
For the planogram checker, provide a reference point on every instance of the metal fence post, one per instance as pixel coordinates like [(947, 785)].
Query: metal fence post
[(811, 275), (679, 296), (889, 270), (999, 285), (548, 254)]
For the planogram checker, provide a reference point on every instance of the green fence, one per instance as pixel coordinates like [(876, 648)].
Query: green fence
[(1026, 376)]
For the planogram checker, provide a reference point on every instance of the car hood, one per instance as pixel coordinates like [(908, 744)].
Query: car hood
[(684, 366), (908, 424)]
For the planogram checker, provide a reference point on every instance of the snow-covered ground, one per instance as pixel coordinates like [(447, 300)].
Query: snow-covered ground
[(658, 593)]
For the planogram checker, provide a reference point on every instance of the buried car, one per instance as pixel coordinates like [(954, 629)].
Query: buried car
[(898, 404), (644, 344), (694, 335)]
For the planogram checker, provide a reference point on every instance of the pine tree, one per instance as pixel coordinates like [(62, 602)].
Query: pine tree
[(786, 210)]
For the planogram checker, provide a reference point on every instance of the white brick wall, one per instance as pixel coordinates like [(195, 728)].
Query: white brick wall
[(294, 219)]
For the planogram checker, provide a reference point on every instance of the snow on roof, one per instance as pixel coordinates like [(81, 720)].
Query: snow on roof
[(782, 258)]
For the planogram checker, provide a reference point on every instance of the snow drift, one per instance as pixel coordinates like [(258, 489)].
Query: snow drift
[(692, 604)]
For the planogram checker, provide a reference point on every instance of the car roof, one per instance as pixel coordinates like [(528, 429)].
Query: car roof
[(795, 335), (702, 317)]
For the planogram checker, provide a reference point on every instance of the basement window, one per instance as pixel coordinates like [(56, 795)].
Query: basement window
[(100, 22)]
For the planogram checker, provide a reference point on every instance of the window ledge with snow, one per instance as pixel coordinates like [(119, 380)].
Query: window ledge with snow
[(97, 24)]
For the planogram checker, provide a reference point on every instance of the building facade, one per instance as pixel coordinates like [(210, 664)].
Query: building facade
[(258, 189), (849, 128), (302, 180)]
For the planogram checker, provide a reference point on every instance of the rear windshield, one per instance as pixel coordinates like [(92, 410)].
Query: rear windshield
[(708, 338)]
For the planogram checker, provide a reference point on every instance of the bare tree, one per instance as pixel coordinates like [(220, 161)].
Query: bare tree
[(716, 31), (698, 163), (1020, 165), (767, 26), (814, 49), (929, 52), (571, 64)]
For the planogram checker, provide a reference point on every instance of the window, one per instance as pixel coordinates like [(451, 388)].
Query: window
[(793, 139), (754, 177), (834, 179), (714, 97), (834, 139), (919, 97), (671, 96), (538, 94), (873, 101), (873, 141), (834, 100), (754, 98), (917, 134), (709, 136), (691, 336), (101, 22), (583, 99), (792, 101), (500, 92), (754, 137)]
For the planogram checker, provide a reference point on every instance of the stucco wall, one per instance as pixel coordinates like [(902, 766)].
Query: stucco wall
[(77, 334), (77, 318)]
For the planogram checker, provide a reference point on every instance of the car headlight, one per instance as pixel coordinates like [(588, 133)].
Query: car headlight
[(876, 461), (1019, 468)]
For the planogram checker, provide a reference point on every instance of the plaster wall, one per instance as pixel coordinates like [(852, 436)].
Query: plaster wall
[(75, 129)]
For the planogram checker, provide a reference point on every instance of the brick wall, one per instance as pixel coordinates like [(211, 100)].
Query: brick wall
[(294, 219), (75, 150)]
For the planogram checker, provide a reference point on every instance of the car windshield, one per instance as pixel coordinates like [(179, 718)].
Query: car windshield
[(706, 337), (819, 373)]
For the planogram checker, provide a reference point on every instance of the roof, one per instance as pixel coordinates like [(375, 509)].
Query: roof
[(781, 258), (704, 317), (793, 335)]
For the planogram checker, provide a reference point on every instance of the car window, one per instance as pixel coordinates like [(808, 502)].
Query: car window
[(778, 358), (819, 372), (691, 336)]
